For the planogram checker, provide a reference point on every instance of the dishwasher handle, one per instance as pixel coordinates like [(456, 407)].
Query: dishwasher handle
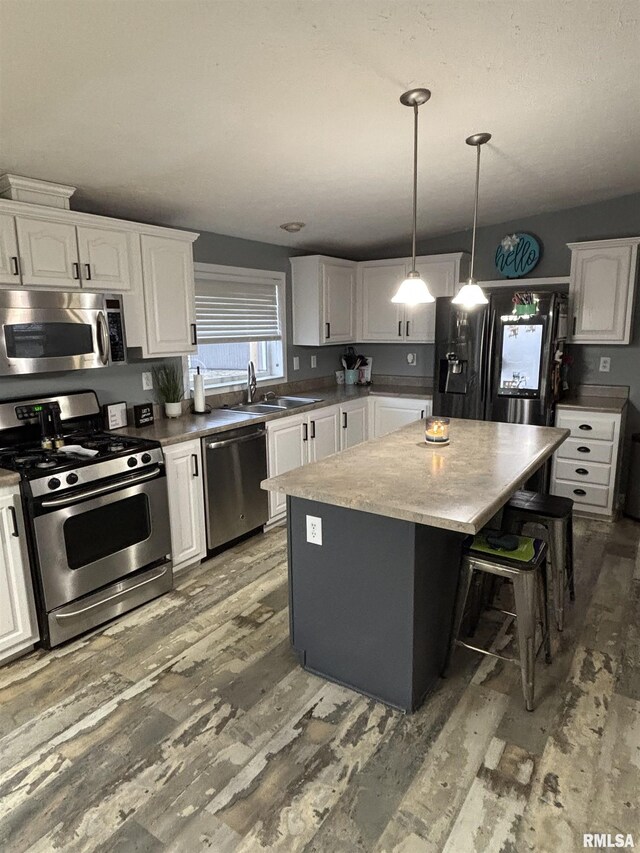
[(214, 445)]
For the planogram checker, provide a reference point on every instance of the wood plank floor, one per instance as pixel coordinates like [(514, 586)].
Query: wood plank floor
[(188, 726)]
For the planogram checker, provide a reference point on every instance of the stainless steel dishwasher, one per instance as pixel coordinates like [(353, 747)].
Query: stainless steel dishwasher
[(235, 463)]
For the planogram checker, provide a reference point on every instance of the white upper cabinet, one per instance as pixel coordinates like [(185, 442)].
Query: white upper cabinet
[(9, 263), (602, 289), (104, 259), (382, 320), (323, 300), (169, 296), (48, 253)]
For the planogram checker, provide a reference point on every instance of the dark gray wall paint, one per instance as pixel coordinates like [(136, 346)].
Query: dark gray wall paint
[(112, 384)]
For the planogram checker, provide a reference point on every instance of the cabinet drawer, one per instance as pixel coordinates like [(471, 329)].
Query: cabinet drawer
[(581, 472), (588, 424), (585, 450), (582, 493)]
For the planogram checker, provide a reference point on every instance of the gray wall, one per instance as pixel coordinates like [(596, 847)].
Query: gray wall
[(618, 217), (614, 218)]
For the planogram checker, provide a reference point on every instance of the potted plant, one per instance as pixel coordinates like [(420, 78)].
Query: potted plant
[(169, 384)]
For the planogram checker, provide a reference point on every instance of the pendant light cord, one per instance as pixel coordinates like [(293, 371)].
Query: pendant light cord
[(475, 214), (415, 186)]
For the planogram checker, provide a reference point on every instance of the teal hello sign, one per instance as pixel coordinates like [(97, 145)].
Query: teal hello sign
[(517, 254)]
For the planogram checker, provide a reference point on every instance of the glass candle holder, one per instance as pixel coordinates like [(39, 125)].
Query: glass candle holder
[(437, 431)]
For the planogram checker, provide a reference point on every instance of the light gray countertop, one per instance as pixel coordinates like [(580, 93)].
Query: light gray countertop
[(458, 487), (614, 405), (174, 430)]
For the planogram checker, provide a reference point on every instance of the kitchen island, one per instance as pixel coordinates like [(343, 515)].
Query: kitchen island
[(371, 603)]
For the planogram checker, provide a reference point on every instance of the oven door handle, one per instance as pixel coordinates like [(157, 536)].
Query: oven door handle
[(91, 493), (73, 615)]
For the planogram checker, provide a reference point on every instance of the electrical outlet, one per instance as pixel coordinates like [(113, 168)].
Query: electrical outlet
[(314, 361), (605, 364), (296, 362), (147, 380), (314, 530), (411, 358)]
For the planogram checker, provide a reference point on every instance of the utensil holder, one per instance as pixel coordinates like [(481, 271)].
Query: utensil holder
[(350, 377)]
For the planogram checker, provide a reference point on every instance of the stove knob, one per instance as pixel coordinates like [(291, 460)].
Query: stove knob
[(132, 462), (72, 479), (54, 483), (145, 458)]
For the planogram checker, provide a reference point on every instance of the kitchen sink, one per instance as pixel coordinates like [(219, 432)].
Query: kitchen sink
[(294, 402), (273, 405), (256, 408)]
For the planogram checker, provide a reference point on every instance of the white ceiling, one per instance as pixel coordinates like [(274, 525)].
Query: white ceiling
[(237, 115)]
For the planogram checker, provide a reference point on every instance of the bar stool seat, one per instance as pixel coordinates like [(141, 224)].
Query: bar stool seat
[(556, 515), (525, 567)]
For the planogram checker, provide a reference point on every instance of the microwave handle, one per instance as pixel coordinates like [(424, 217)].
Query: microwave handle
[(103, 337)]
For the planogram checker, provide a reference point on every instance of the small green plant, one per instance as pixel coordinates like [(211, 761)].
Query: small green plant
[(169, 383)]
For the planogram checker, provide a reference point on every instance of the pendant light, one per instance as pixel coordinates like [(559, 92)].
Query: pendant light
[(471, 294), (413, 290)]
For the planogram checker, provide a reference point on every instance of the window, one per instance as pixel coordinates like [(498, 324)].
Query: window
[(239, 318)]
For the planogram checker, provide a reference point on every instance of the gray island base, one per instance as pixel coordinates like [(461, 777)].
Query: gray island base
[(371, 606)]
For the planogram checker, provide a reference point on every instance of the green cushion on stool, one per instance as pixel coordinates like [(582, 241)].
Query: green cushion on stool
[(526, 552)]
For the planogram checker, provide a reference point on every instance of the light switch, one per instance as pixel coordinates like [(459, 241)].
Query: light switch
[(147, 380), (296, 362), (314, 361)]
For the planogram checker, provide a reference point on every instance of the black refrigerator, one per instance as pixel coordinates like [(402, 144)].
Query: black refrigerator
[(501, 361)]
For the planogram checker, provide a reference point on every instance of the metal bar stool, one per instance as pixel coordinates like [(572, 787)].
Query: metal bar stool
[(555, 514), (525, 567)]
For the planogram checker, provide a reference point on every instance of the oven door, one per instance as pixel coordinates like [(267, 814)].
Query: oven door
[(42, 331), (92, 541)]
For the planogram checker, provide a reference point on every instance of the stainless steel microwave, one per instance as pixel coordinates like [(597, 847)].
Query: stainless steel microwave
[(42, 331)]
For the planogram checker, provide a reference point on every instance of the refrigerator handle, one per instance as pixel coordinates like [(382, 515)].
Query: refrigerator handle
[(492, 320)]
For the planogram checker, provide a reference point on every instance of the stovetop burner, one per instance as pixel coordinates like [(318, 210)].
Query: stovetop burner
[(31, 458)]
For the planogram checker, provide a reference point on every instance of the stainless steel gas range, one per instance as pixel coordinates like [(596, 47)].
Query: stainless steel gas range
[(96, 512)]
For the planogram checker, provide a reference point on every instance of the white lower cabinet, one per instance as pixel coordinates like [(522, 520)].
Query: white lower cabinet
[(18, 624), (186, 503), (391, 413), (354, 423), (287, 449), (323, 435), (586, 466)]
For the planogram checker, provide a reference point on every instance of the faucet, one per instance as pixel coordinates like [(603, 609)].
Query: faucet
[(251, 382)]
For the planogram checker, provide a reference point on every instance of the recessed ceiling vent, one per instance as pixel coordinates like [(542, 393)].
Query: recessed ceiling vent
[(32, 191)]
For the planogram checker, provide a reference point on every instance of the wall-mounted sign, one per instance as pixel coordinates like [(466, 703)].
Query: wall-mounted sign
[(517, 254)]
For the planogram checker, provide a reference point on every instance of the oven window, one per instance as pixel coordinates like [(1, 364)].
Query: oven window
[(101, 532), (47, 340)]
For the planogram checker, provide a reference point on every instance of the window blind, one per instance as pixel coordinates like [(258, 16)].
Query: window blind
[(231, 310)]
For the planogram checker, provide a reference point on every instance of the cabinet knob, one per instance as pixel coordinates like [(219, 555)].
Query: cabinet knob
[(75, 269), (581, 471), (580, 492), (584, 450), (14, 522), (87, 272), (195, 464), (194, 335), (328, 329), (586, 427), (15, 265)]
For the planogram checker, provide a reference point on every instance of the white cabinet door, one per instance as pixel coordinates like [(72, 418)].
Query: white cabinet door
[(18, 627), (104, 259), (186, 503), (9, 264), (382, 319), (420, 320), (324, 433), (48, 253), (391, 413), (338, 284), (354, 424), (287, 449), (169, 298), (601, 291)]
